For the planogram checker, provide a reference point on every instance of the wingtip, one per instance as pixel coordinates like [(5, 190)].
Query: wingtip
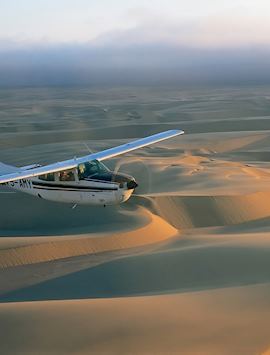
[(179, 131)]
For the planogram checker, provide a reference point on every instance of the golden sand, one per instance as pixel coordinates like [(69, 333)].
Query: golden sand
[(181, 268)]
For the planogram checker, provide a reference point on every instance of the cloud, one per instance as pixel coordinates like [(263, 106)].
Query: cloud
[(239, 25), (223, 30), (74, 64), (225, 47)]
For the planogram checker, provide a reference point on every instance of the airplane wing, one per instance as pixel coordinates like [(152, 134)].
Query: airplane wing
[(103, 155)]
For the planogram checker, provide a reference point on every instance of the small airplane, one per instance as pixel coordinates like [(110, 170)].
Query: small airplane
[(85, 180)]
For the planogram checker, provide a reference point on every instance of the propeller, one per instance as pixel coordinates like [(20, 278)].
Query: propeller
[(144, 180)]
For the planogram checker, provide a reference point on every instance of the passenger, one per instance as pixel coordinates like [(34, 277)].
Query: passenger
[(66, 176)]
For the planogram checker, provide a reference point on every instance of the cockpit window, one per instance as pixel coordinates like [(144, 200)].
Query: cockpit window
[(47, 177), (66, 175), (91, 169)]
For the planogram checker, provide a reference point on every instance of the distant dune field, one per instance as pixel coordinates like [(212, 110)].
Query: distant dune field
[(182, 267)]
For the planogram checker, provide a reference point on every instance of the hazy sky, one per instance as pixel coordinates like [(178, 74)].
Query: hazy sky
[(200, 22), (67, 41)]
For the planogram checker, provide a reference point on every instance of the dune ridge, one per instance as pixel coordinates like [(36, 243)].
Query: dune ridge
[(206, 211), (157, 230)]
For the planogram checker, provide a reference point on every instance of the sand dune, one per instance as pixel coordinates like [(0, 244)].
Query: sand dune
[(225, 321), (205, 211), (182, 267), (35, 251), (191, 262)]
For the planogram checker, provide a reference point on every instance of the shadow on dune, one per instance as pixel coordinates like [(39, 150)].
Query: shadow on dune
[(26, 215), (176, 270)]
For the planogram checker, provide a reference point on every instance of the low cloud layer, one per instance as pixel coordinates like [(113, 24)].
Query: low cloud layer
[(221, 48), (144, 64)]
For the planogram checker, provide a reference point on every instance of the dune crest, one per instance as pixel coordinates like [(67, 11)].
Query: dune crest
[(206, 211), (157, 230)]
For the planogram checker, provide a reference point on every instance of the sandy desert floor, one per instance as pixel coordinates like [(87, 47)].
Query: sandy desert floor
[(182, 267)]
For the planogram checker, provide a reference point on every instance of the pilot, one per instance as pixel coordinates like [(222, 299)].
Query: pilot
[(81, 171), (87, 170)]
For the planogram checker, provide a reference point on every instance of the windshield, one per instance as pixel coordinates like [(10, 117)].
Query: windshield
[(91, 169)]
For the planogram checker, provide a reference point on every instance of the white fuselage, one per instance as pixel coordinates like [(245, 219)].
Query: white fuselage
[(88, 192)]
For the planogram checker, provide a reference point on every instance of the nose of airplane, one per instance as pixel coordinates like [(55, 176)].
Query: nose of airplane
[(132, 184)]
